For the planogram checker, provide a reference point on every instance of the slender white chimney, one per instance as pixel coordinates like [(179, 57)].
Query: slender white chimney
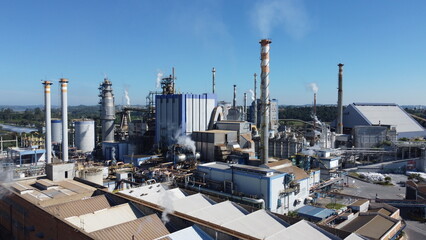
[(255, 101), (64, 105), (214, 79), (264, 140), (48, 135), (234, 101)]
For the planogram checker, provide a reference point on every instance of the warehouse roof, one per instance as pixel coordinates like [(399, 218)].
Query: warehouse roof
[(79, 207), (372, 226), (298, 172), (382, 114), (302, 230), (220, 213), (188, 204), (154, 193), (106, 217), (193, 233), (144, 228), (259, 224), (315, 212)]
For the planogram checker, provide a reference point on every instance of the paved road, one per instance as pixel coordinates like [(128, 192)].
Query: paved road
[(415, 230), (369, 190)]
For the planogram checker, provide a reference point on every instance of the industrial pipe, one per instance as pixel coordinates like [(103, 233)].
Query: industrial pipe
[(255, 101), (64, 103), (47, 107), (234, 101), (214, 79), (264, 56)]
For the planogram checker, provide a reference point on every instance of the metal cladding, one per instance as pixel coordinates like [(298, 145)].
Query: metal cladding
[(264, 140), (47, 107), (84, 135), (339, 125), (64, 105), (255, 100), (234, 101), (214, 79), (108, 111), (56, 130)]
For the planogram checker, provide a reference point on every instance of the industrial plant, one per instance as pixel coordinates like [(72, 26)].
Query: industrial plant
[(193, 166)]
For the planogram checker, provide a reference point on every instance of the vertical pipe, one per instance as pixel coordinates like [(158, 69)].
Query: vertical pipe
[(64, 103), (108, 111), (314, 119), (264, 56), (214, 79), (48, 135), (255, 101), (245, 107), (339, 127), (234, 101), (173, 79)]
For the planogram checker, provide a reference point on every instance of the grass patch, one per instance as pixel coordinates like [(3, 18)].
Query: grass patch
[(354, 174), (334, 206), (384, 183)]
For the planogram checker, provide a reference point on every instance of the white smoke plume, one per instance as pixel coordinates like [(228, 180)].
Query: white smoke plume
[(313, 87), (185, 141), (166, 201), (252, 94), (6, 175), (126, 96), (290, 14), (159, 77)]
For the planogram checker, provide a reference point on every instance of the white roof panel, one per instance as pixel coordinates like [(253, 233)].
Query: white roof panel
[(193, 233), (301, 230), (188, 204), (220, 213), (258, 224), (390, 114)]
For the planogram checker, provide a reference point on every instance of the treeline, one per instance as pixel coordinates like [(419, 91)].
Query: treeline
[(325, 113), (35, 117)]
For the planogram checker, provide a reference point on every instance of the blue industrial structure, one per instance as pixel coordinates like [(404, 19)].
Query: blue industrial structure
[(315, 214), (181, 114)]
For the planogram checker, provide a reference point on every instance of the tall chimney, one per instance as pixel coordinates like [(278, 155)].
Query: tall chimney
[(314, 119), (108, 111), (47, 107), (339, 127), (245, 107), (255, 101), (64, 103), (264, 140), (234, 101), (214, 79)]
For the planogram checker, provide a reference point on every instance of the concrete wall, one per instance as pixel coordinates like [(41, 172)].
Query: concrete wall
[(60, 172)]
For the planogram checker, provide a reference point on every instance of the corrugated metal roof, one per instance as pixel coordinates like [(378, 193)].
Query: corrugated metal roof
[(105, 218), (258, 224), (154, 193), (316, 212), (298, 172), (220, 213), (193, 233), (79, 207), (188, 204), (376, 227), (302, 230), (145, 228), (389, 114)]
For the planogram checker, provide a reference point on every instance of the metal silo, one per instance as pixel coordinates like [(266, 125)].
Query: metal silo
[(56, 130), (84, 134)]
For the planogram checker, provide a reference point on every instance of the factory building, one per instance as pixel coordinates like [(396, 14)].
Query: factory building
[(181, 114), (382, 114), (280, 186)]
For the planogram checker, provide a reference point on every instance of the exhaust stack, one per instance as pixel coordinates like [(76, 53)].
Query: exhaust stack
[(234, 101), (339, 126), (214, 79), (64, 103), (108, 111), (47, 107), (245, 107), (255, 101), (264, 56)]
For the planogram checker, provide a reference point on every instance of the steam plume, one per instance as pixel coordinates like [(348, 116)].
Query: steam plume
[(126, 96), (313, 87), (159, 77), (252, 94), (185, 141)]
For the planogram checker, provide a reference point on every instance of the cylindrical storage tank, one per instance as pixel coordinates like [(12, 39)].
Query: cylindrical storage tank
[(84, 135), (56, 130)]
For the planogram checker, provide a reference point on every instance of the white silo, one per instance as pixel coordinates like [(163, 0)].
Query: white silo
[(56, 131), (84, 134)]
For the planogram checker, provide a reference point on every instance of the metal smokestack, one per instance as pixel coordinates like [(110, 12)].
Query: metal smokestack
[(108, 111), (214, 79), (47, 107), (264, 140), (245, 107), (339, 126), (234, 101), (314, 119), (64, 103), (255, 101)]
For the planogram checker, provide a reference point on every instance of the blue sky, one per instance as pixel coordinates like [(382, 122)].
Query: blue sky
[(381, 43)]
